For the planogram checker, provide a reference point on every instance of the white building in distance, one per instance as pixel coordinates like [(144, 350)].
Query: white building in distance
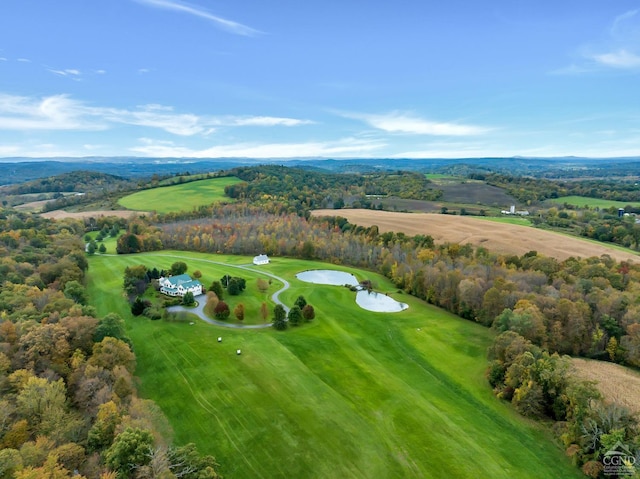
[(261, 259)]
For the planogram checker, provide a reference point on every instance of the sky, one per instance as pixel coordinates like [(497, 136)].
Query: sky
[(335, 79)]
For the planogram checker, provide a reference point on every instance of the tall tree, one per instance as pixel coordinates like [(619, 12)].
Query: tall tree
[(280, 318), (131, 449), (179, 267)]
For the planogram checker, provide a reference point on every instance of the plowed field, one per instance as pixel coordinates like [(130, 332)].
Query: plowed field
[(496, 237)]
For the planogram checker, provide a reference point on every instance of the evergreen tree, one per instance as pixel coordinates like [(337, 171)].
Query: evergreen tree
[(280, 318), (295, 316), (301, 302), (188, 299)]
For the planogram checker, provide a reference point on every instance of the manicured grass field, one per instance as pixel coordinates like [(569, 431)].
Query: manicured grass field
[(109, 242), (582, 201), (354, 394), (170, 199), (510, 220)]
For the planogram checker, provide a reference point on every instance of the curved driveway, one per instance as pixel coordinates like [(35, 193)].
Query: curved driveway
[(201, 299)]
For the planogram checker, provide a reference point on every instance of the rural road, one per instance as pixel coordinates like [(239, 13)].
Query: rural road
[(201, 299)]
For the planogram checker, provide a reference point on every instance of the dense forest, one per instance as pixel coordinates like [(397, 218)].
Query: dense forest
[(313, 189), (68, 401), (529, 189)]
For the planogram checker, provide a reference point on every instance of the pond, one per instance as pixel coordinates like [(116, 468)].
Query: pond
[(371, 301), (327, 276)]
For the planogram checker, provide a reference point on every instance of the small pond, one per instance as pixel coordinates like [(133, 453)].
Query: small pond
[(327, 276), (377, 302)]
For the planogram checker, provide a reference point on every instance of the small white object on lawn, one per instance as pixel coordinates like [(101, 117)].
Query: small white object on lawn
[(238, 352), (219, 339)]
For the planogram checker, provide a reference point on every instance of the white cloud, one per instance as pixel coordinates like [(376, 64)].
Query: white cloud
[(69, 72), (398, 122), (24, 60), (3, 59), (619, 59), (223, 23), (623, 25), (268, 121), (619, 49), (352, 147), (60, 112), (57, 112)]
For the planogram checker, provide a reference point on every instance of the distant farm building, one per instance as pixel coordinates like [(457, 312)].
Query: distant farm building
[(261, 259), (180, 285), (512, 211)]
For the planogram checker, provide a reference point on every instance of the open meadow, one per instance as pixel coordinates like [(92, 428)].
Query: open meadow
[(182, 197), (353, 394), (496, 236), (584, 202)]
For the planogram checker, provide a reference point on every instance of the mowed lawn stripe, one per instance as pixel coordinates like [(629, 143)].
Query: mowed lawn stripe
[(353, 394)]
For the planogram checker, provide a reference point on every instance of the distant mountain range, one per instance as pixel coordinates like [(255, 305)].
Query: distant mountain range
[(18, 170)]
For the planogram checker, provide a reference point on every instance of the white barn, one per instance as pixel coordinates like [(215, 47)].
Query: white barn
[(261, 259)]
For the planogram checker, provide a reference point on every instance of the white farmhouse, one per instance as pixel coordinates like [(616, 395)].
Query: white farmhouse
[(179, 285), (261, 259)]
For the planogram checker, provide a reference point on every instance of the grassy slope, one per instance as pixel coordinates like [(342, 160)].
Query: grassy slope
[(354, 394), (582, 201), (179, 197)]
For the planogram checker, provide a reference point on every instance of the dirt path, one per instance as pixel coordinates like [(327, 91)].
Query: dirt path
[(496, 237)]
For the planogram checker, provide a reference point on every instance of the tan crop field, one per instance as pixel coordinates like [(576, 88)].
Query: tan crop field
[(616, 383), (496, 237), (60, 214)]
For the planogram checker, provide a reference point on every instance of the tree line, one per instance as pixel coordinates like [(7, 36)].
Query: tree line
[(68, 400)]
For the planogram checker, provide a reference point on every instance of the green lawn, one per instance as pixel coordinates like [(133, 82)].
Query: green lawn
[(109, 242), (354, 394), (583, 201), (512, 220), (186, 196)]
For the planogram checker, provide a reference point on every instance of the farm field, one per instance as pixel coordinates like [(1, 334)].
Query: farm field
[(583, 201), (495, 236), (615, 382), (186, 196), (353, 394), (476, 194)]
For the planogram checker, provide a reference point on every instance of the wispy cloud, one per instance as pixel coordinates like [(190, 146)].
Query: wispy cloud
[(399, 122), (223, 23), (60, 112), (69, 73), (623, 25), (620, 47), (57, 112), (345, 147), (24, 60), (267, 121), (618, 59)]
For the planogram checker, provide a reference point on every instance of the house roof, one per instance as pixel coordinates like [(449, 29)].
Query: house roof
[(182, 279)]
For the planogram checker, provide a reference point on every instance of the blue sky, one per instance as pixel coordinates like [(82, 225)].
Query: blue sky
[(349, 78)]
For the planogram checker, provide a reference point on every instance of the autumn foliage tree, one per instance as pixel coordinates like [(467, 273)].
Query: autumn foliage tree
[(221, 310)]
